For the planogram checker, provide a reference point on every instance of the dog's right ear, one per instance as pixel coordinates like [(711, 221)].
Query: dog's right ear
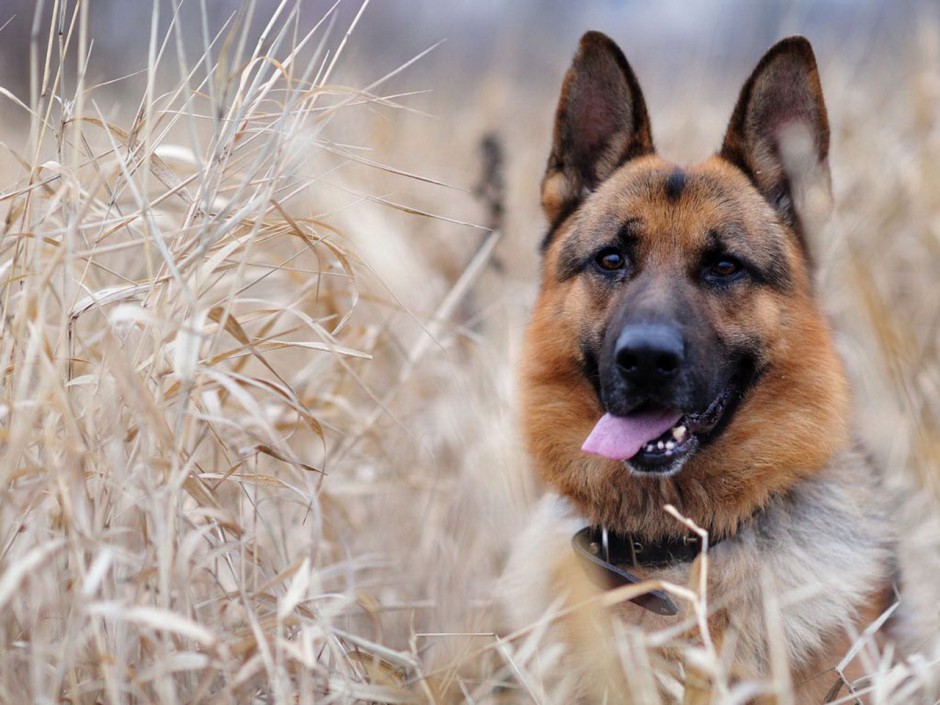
[(601, 123)]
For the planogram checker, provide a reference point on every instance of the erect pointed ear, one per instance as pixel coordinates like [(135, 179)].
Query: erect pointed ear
[(601, 122), (779, 132)]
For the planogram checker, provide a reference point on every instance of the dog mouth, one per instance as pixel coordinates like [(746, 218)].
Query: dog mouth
[(653, 439)]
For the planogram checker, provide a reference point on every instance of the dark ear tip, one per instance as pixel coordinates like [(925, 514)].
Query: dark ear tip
[(796, 47), (594, 41)]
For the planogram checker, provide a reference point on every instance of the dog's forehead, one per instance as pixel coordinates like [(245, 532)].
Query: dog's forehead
[(677, 216), (656, 197)]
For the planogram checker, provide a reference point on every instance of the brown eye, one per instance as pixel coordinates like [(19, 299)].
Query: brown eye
[(610, 260), (725, 267)]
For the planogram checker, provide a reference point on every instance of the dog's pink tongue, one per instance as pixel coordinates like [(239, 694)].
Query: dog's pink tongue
[(621, 437)]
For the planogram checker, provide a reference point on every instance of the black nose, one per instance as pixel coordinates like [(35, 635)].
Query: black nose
[(649, 353)]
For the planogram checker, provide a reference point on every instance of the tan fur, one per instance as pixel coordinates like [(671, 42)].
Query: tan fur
[(821, 540), (799, 509)]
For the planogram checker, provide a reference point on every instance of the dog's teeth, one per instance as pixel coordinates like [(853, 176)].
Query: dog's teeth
[(670, 445), (679, 433), (660, 445)]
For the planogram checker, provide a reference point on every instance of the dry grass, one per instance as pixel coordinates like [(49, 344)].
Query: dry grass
[(257, 430)]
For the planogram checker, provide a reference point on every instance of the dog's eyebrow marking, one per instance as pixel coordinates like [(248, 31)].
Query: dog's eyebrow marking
[(675, 185), (579, 249), (627, 232), (766, 260)]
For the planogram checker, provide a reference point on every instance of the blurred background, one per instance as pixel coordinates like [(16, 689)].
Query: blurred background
[(425, 482)]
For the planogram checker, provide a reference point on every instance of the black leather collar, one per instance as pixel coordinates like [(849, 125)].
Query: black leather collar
[(604, 556)]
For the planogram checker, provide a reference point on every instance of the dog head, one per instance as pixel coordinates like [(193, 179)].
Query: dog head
[(676, 353)]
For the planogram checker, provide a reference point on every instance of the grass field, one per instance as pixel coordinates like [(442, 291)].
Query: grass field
[(258, 343)]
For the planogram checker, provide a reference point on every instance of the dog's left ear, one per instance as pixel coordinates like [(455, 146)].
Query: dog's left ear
[(779, 132), (601, 122)]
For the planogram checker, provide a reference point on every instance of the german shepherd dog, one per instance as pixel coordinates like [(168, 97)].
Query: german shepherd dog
[(677, 356)]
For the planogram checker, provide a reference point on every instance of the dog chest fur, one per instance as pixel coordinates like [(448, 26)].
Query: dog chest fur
[(823, 548)]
